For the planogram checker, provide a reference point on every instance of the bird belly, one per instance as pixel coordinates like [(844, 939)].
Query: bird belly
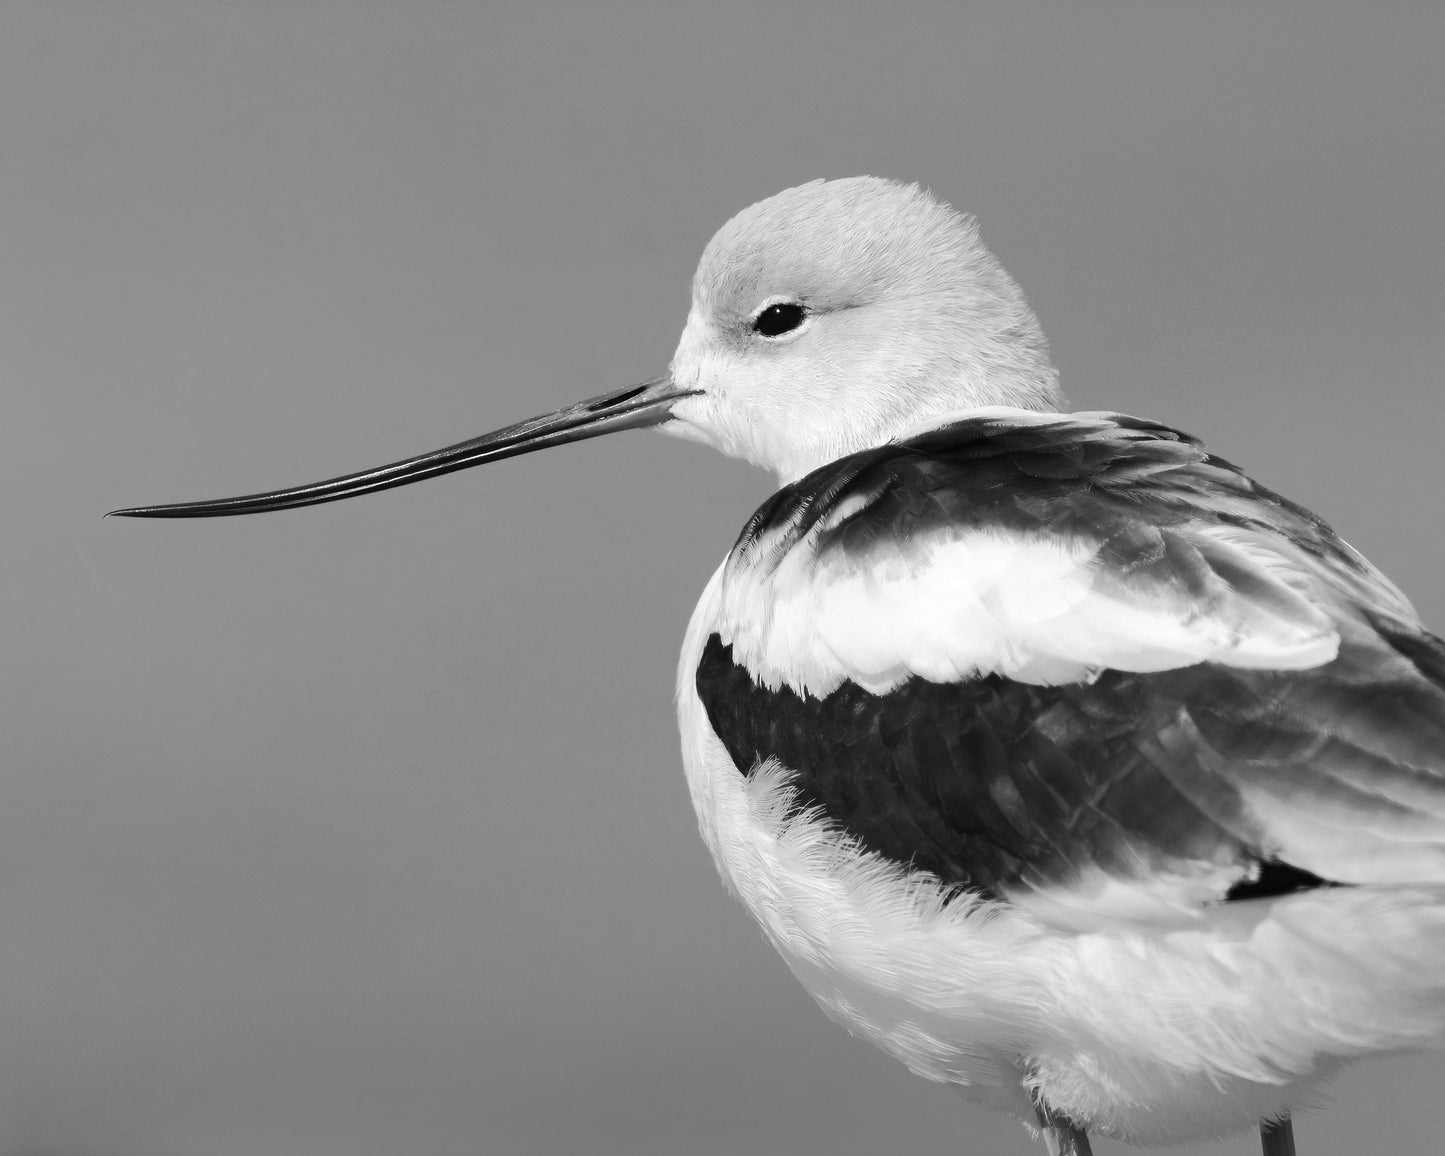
[(1152, 1035), (885, 952)]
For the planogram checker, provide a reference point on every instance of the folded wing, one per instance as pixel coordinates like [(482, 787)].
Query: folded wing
[(1036, 653)]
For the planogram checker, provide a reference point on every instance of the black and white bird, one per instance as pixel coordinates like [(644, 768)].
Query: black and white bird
[(1055, 756)]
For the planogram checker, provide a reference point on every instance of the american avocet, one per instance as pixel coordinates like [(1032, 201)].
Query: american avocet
[(1055, 756)]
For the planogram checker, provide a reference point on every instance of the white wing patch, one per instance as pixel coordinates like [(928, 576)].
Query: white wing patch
[(1368, 838), (1034, 608)]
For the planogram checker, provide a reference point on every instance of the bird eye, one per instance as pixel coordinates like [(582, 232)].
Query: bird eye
[(778, 319)]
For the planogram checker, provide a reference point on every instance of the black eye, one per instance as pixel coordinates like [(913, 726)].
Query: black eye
[(778, 319)]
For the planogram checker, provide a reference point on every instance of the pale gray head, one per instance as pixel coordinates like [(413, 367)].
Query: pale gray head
[(838, 314), (832, 317)]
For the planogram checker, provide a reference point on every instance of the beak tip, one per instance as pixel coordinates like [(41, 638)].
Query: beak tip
[(144, 512)]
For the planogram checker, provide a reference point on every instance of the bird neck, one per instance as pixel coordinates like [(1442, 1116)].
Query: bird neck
[(1014, 395)]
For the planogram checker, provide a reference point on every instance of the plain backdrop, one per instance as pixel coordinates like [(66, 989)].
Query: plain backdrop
[(360, 829)]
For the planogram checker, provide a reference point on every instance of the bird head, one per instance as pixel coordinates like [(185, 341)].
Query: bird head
[(839, 314)]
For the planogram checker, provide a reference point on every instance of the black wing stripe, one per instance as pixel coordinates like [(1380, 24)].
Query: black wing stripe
[(987, 784)]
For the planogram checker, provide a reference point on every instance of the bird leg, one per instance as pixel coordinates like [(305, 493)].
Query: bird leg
[(1063, 1138), (1277, 1137)]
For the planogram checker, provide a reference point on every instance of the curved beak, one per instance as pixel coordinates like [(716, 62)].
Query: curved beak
[(640, 406)]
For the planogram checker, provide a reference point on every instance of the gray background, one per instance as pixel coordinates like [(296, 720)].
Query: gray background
[(360, 829)]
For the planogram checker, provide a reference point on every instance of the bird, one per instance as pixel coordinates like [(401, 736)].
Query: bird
[(1055, 755)]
